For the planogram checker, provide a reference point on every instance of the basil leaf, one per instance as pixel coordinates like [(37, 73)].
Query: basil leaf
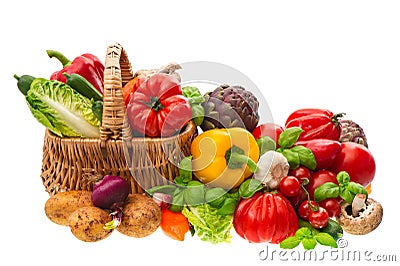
[(346, 194), (292, 158), (306, 156), (177, 201), (356, 188), (266, 144), (185, 171), (198, 114), (326, 240), (194, 193), (290, 242), (309, 243), (343, 178), (228, 208), (303, 232), (215, 196), (249, 187), (326, 191), (289, 137), (167, 189), (234, 194)]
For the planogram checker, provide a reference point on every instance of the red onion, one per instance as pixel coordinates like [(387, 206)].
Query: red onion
[(110, 192)]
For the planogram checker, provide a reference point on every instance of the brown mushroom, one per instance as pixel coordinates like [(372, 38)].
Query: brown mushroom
[(362, 217)]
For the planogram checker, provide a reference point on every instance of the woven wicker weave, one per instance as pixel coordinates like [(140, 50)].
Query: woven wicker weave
[(76, 163)]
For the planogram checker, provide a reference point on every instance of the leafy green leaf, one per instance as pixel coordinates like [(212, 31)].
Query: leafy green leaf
[(249, 187), (346, 194), (289, 137), (326, 240), (326, 191), (198, 114), (208, 224), (61, 109), (193, 195), (216, 196), (265, 144), (343, 178), (228, 207), (306, 156), (177, 201), (303, 232), (167, 189), (292, 158), (185, 171), (356, 188), (195, 99), (309, 243), (290, 242)]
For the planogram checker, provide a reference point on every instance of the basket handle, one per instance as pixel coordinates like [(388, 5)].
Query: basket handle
[(117, 72)]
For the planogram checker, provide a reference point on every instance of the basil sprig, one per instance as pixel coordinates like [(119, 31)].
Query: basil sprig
[(189, 192), (308, 239), (296, 155), (346, 189)]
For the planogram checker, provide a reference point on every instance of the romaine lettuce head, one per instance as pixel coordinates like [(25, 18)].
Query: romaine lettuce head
[(61, 109)]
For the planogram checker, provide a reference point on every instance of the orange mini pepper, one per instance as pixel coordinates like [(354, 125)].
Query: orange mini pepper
[(174, 224)]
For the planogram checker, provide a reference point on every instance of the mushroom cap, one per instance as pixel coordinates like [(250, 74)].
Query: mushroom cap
[(366, 222)]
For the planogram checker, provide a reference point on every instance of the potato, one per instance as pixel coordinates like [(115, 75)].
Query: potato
[(87, 224), (60, 206), (142, 216)]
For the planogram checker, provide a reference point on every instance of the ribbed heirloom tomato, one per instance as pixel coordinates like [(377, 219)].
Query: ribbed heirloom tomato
[(265, 217)]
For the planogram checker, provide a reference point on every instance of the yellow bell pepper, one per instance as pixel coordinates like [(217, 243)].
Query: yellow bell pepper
[(224, 157)]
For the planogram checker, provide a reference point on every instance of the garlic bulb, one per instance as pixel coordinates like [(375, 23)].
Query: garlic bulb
[(271, 168)]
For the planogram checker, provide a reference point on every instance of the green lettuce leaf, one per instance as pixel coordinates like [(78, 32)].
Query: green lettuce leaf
[(208, 224), (62, 110)]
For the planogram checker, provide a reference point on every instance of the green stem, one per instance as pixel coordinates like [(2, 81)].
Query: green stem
[(16, 77), (235, 158), (64, 61), (335, 118)]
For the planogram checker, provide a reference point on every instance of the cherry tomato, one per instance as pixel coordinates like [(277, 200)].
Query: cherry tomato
[(305, 207), (332, 206), (318, 219), (357, 161), (289, 186), (301, 172), (319, 178), (268, 129)]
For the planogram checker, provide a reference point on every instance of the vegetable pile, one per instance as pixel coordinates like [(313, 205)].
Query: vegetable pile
[(306, 181), (303, 182)]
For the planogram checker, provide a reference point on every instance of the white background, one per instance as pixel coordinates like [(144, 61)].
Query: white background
[(340, 55)]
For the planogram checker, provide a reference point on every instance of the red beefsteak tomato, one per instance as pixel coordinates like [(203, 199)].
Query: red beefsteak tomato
[(265, 217), (158, 108)]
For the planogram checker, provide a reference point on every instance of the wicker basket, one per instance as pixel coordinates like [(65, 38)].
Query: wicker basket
[(76, 163)]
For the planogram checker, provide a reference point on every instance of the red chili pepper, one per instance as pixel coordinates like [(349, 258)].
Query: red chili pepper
[(87, 65), (158, 108), (324, 150), (316, 123)]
